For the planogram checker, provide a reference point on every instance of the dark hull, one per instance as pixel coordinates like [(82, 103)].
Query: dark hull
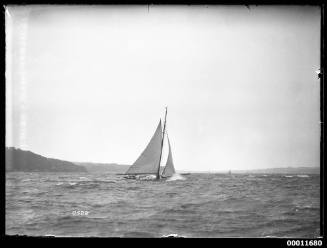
[(141, 177), (144, 177)]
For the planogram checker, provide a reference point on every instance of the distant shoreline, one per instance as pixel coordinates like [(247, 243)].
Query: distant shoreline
[(68, 166)]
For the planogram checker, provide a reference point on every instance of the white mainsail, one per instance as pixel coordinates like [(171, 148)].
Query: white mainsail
[(148, 161), (169, 169)]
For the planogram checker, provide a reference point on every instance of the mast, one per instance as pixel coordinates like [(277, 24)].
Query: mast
[(162, 142)]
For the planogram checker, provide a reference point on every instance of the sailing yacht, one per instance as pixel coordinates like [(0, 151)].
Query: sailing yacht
[(147, 165)]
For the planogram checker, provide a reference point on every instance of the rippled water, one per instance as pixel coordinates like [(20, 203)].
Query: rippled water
[(202, 205)]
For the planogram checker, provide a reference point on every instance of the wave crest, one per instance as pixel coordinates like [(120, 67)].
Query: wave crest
[(176, 177)]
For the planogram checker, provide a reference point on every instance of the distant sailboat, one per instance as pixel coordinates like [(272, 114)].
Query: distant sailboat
[(147, 165)]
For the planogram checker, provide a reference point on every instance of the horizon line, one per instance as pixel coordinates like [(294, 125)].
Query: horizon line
[(182, 170)]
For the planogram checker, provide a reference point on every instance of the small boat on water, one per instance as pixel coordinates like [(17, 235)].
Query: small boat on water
[(147, 165)]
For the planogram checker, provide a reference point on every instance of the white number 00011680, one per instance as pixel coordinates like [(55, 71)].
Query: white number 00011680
[(304, 242)]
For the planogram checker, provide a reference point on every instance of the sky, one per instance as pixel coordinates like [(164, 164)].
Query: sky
[(90, 83)]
